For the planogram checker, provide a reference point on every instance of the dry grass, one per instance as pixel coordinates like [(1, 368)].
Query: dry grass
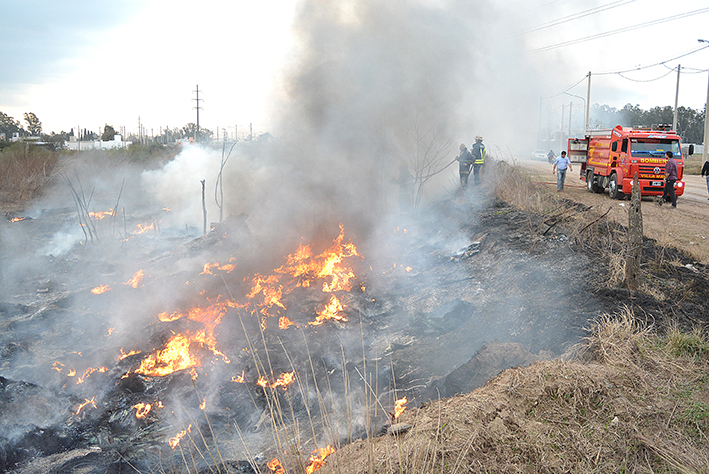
[(630, 405), (24, 172)]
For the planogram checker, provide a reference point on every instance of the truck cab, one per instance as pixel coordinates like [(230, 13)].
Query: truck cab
[(610, 158)]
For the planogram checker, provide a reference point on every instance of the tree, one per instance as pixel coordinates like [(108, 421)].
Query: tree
[(426, 150), (34, 126), (108, 133), (9, 125), (190, 131)]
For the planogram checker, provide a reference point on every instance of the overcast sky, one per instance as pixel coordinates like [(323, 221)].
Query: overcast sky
[(88, 63)]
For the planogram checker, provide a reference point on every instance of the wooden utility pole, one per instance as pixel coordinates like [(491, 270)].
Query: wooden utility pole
[(196, 138), (635, 239), (204, 211)]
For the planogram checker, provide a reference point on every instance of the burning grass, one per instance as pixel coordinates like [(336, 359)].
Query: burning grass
[(633, 402)]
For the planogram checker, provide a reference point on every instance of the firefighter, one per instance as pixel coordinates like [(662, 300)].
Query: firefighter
[(465, 161), (705, 172), (478, 152)]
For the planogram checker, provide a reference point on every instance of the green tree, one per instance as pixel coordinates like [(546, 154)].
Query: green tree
[(9, 125), (108, 133), (34, 126)]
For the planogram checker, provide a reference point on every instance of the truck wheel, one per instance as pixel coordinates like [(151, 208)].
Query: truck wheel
[(613, 190), (589, 181)]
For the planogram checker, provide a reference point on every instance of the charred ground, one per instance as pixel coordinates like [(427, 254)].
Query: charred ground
[(479, 286)]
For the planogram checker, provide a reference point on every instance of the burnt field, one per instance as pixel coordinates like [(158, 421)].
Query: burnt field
[(163, 349)]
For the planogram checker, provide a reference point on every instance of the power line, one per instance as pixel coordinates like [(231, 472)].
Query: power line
[(619, 30), (576, 16)]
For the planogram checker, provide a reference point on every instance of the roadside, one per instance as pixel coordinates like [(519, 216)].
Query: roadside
[(684, 228)]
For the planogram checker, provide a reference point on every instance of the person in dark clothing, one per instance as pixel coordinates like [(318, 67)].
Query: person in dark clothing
[(478, 152), (705, 172), (465, 161), (551, 157), (670, 179)]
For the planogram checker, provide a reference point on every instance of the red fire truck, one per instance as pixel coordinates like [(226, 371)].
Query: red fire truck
[(610, 158)]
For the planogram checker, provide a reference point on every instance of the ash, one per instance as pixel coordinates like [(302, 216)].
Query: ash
[(440, 305)]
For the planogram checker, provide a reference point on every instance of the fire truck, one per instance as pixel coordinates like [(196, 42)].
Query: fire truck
[(609, 159)]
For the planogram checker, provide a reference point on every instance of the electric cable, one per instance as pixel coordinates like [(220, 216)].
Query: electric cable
[(576, 16), (619, 30)]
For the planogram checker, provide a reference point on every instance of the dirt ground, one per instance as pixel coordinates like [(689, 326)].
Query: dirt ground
[(684, 228)]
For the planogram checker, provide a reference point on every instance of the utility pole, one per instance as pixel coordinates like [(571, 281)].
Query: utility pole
[(196, 138), (571, 105), (588, 101), (251, 131), (561, 129), (674, 118), (140, 132)]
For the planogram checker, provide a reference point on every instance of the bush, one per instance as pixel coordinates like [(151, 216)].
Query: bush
[(25, 169)]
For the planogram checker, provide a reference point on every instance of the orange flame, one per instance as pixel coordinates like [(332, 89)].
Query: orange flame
[(136, 280), (302, 269), (317, 458), (56, 366), (86, 402), (208, 267), (17, 219), (175, 440), (284, 322), (275, 466), (142, 409), (143, 228), (399, 407), (203, 405), (88, 372), (124, 355), (179, 352), (332, 310), (238, 378), (101, 289), (283, 381), (100, 215)]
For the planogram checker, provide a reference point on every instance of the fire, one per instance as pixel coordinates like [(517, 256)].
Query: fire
[(110, 331), (100, 215), (88, 372), (17, 219), (101, 289), (143, 228), (275, 466), (142, 409), (306, 267), (86, 402), (284, 322), (317, 458), (208, 267), (178, 353), (124, 355), (238, 378), (332, 310), (203, 405), (175, 440), (175, 356), (302, 269), (399, 407), (283, 381), (136, 280), (57, 366)]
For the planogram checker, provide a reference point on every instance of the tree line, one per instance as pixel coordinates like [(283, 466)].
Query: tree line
[(10, 126), (690, 122)]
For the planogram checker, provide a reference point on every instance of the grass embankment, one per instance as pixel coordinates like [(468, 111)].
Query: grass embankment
[(631, 402)]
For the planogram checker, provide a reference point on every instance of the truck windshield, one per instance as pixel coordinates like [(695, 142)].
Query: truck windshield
[(640, 147)]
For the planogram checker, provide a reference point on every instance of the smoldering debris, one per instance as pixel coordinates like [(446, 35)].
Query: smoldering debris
[(256, 372)]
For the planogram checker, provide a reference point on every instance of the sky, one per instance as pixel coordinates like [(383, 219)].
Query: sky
[(85, 64)]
